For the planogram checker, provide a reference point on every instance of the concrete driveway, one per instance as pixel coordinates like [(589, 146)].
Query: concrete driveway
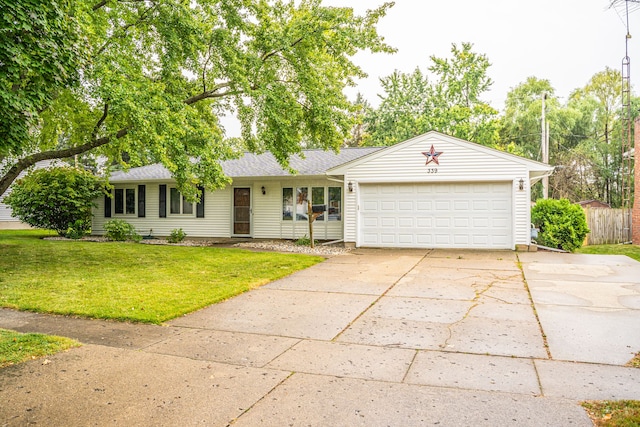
[(373, 338)]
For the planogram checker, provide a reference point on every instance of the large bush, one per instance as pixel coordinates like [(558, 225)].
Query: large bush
[(59, 199), (562, 225)]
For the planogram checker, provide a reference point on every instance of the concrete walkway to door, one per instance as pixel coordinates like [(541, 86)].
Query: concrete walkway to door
[(373, 338)]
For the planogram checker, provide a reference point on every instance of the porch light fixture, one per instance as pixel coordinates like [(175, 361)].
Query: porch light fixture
[(350, 187), (521, 184), (264, 190)]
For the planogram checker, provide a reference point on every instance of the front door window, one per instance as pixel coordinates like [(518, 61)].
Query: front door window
[(242, 211)]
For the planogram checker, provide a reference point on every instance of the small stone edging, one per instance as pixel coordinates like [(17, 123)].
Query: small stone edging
[(268, 245)]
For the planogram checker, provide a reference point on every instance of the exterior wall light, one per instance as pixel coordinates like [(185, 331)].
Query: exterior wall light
[(350, 187), (264, 190), (520, 184)]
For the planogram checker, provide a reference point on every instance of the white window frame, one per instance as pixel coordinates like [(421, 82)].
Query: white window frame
[(182, 203), (124, 200), (294, 208)]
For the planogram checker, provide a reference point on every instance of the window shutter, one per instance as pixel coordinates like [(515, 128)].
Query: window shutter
[(107, 205), (141, 200), (163, 201), (200, 205)]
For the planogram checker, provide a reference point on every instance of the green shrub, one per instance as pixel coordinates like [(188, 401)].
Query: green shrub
[(562, 225), (304, 241), (120, 231), (78, 229), (176, 236), (55, 198)]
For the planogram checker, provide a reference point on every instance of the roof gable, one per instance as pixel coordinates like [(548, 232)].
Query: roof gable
[(422, 144)]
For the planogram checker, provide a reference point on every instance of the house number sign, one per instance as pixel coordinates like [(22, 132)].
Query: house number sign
[(432, 157)]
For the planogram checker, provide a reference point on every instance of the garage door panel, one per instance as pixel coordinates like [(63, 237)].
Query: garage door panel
[(482, 222), (461, 205), (408, 205), (424, 239), (370, 206), (388, 205), (443, 239), (388, 222), (388, 189), (405, 239), (387, 238), (443, 205), (370, 222), (424, 205), (405, 222), (442, 223), (424, 222), (461, 215), (461, 222)]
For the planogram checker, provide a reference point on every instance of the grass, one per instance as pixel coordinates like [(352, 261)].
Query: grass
[(17, 348), (635, 362), (621, 413), (632, 251), (128, 281)]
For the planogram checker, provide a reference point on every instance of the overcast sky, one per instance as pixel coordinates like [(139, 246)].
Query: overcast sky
[(565, 41)]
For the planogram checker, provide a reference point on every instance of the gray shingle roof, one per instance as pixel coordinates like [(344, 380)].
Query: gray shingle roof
[(315, 162)]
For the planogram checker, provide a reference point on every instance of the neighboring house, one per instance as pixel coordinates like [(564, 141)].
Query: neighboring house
[(593, 204), (432, 191), (8, 222)]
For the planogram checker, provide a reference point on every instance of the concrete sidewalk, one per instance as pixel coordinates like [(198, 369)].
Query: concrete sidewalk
[(374, 338)]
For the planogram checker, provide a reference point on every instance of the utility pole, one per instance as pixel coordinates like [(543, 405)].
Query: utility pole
[(544, 143)]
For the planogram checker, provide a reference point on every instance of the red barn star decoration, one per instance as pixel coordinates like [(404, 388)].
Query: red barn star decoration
[(432, 155)]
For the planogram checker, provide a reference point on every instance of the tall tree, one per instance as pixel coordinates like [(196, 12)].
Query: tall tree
[(404, 110), (359, 132), (450, 103), (159, 73), (599, 103)]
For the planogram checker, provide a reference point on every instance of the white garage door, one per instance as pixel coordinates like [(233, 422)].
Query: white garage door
[(460, 215)]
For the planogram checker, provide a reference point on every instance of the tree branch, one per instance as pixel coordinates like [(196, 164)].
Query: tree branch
[(123, 30), (99, 5), (213, 93), (105, 112), (32, 159)]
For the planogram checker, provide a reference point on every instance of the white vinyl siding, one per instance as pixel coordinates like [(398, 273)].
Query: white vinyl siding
[(216, 221), (460, 162), (266, 214)]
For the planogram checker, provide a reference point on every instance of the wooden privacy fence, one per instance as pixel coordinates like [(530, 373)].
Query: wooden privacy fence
[(608, 226)]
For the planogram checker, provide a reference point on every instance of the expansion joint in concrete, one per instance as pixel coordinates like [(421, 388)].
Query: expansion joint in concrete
[(381, 296), (533, 307), (233, 421)]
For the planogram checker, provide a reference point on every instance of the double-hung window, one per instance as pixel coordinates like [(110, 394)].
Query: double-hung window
[(178, 205), (125, 201)]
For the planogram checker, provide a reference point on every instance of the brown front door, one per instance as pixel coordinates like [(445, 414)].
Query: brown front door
[(242, 211)]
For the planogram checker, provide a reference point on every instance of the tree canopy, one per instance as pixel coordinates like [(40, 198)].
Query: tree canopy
[(413, 104), (143, 81)]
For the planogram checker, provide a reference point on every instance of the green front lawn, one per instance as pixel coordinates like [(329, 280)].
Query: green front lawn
[(620, 413), (632, 251), (128, 281), (17, 348)]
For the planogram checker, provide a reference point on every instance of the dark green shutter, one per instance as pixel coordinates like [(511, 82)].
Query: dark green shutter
[(163, 201), (200, 205), (107, 205), (141, 200)]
